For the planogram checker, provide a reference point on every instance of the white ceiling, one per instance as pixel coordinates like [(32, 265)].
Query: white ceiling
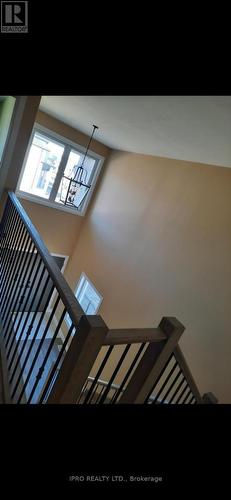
[(193, 128)]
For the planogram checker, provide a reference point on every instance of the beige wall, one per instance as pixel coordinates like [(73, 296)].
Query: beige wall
[(58, 229), (157, 242)]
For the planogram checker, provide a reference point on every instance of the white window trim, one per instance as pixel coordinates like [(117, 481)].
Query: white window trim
[(65, 142), (83, 275), (66, 257)]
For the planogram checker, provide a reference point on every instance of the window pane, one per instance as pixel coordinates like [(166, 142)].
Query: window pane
[(87, 296), (90, 296), (74, 160), (41, 166), (90, 309), (71, 171)]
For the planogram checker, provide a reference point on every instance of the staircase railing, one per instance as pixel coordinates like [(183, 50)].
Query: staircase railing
[(47, 359), (31, 325), (155, 373)]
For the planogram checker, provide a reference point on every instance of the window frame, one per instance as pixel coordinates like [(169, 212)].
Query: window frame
[(85, 277), (68, 146)]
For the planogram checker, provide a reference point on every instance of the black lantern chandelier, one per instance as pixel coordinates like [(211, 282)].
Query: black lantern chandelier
[(74, 189)]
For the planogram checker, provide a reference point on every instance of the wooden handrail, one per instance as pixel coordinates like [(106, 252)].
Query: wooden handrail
[(134, 336), (187, 373), (69, 300)]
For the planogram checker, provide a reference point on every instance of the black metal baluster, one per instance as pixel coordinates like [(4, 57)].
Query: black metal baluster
[(107, 355), (118, 392), (12, 285), (16, 287), (13, 241), (13, 266), (34, 313), (100, 393), (165, 383), (88, 382), (108, 388), (177, 390), (93, 395), (190, 401), (10, 262), (16, 327), (94, 392), (9, 298), (37, 351), (51, 384), (170, 388), (5, 220), (186, 397), (11, 323), (35, 333), (182, 393), (42, 367), (82, 392), (158, 379), (5, 235), (30, 328), (56, 364), (40, 262), (9, 231), (6, 259)]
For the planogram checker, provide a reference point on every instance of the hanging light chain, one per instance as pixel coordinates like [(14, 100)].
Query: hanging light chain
[(80, 177), (85, 154)]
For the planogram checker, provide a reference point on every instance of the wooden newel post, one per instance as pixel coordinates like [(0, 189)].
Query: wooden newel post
[(209, 399), (152, 362), (78, 360)]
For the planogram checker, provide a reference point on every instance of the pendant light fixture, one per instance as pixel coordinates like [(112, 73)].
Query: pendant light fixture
[(74, 189)]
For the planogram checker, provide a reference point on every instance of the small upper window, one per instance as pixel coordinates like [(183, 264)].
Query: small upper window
[(49, 158), (87, 295)]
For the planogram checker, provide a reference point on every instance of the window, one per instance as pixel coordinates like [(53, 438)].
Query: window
[(48, 158), (88, 297)]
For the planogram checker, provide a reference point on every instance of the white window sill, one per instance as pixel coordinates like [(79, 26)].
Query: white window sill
[(47, 203)]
